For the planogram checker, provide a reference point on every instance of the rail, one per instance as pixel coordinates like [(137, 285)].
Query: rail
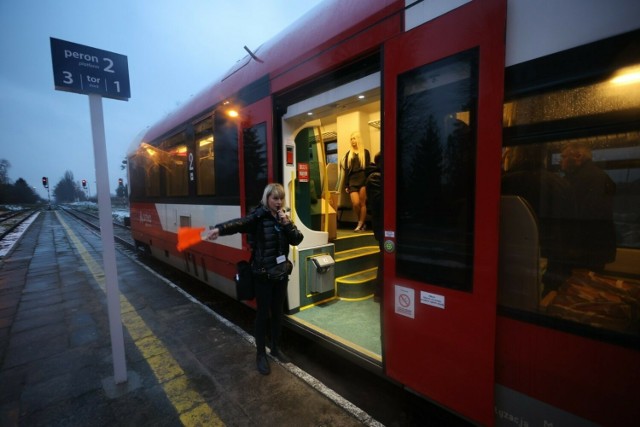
[(10, 221)]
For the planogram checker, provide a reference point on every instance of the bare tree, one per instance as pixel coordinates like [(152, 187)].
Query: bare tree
[(4, 171), (67, 190)]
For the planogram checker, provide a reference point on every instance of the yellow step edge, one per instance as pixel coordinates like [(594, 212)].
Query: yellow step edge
[(347, 281), (355, 253)]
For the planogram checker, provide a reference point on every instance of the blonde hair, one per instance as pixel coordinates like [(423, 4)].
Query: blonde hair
[(273, 188), (356, 135)]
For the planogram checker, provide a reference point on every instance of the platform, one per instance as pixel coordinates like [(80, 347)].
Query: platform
[(186, 365)]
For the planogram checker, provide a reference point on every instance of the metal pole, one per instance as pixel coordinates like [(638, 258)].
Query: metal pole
[(106, 232)]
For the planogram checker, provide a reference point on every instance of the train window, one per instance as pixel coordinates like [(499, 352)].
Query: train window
[(436, 171), (152, 187), (144, 173), (602, 100), (225, 135), (570, 229), (205, 155), (176, 165), (255, 163), (331, 150)]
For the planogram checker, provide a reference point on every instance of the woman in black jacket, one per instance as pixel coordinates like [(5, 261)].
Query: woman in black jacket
[(354, 164), (270, 233)]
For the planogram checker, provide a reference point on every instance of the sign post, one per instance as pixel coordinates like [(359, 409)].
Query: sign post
[(98, 73)]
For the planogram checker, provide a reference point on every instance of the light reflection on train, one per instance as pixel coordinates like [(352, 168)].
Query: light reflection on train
[(511, 236)]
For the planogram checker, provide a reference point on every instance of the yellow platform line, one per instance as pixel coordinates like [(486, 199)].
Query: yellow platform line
[(188, 403)]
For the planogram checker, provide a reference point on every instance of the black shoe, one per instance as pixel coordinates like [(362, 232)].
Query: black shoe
[(263, 364), (280, 356)]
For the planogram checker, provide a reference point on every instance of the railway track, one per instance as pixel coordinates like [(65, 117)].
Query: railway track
[(89, 216), (10, 220)]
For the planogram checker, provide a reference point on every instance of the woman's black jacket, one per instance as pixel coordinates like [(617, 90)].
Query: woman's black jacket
[(267, 237)]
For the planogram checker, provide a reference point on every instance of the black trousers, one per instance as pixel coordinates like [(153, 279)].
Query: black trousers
[(270, 296)]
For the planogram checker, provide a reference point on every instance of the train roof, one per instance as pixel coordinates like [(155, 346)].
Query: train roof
[(315, 32)]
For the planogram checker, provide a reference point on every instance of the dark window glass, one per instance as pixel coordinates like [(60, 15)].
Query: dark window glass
[(436, 171), (205, 155), (153, 179), (225, 135), (255, 163), (175, 161), (144, 175)]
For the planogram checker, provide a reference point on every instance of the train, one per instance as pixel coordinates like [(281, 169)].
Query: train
[(510, 276)]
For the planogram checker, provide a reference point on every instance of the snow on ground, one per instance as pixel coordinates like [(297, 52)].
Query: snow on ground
[(120, 214), (11, 208), (12, 238)]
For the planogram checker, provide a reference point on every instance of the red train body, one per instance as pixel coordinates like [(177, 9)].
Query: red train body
[(490, 306)]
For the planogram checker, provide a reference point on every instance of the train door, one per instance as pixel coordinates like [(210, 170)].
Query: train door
[(443, 97), (334, 296)]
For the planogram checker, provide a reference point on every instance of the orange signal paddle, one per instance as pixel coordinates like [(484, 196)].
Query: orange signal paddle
[(188, 236)]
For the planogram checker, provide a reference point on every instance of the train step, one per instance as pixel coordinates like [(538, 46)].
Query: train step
[(354, 260), (357, 286)]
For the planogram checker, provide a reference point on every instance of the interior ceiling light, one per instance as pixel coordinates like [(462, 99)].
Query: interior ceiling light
[(627, 75)]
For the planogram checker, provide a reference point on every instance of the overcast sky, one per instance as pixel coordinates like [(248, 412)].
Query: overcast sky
[(174, 49)]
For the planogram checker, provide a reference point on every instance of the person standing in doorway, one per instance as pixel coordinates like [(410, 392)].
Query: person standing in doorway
[(354, 164)]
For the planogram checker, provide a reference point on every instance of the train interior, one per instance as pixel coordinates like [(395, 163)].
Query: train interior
[(338, 264)]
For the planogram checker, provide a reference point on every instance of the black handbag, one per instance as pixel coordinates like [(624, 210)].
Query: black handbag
[(280, 271), (245, 289)]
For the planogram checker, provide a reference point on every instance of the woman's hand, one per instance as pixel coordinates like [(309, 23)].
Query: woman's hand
[(283, 218), (212, 234)]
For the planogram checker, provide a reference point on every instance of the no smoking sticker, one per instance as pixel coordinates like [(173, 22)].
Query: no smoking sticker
[(405, 301)]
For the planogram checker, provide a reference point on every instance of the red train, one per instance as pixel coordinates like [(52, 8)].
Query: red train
[(510, 250)]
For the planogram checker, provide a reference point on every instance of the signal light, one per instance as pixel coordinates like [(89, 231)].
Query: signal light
[(84, 183), (119, 181), (45, 182)]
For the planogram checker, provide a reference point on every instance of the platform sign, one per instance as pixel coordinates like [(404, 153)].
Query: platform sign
[(98, 73), (83, 69)]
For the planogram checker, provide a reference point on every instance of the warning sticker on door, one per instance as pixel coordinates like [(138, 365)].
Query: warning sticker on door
[(405, 301), (433, 300)]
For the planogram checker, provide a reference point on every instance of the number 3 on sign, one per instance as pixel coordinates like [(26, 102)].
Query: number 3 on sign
[(68, 78)]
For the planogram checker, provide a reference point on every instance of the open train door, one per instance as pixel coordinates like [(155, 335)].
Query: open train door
[(443, 100)]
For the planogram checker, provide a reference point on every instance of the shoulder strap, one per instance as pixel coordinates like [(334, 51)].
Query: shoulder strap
[(345, 161)]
